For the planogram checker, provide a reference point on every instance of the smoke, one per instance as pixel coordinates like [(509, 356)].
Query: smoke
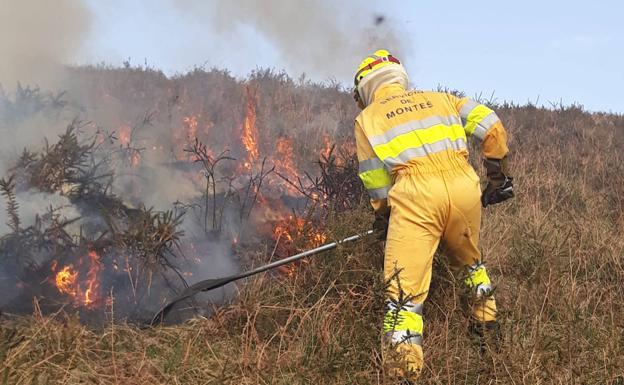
[(32, 203), (37, 40), (322, 37), (27, 131), (38, 37)]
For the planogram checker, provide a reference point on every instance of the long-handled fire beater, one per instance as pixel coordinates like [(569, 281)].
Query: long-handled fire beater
[(211, 284)]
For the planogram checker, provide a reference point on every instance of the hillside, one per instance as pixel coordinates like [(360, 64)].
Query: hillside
[(555, 251)]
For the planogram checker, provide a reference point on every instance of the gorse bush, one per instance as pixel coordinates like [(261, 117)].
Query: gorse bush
[(555, 253)]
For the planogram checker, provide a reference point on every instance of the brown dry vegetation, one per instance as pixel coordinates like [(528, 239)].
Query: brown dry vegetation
[(555, 251)]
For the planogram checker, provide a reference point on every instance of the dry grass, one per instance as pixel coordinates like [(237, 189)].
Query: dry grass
[(555, 252)]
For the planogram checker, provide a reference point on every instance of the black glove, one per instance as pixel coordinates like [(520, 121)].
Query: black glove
[(381, 225), (500, 186), (493, 195)]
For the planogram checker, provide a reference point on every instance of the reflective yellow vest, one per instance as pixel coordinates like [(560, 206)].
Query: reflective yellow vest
[(403, 127)]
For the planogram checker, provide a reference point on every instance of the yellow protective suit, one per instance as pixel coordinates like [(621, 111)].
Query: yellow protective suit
[(412, 154)]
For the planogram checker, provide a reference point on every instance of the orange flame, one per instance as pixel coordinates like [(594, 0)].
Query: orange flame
[(250, 132), (125, 139), (291, 231), (92, 292), (68, 282), (191, 126), (326, 146), (285, 155), (291, 228), (285, 164)]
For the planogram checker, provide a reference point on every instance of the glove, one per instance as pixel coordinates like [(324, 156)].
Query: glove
[(493, 195), (380, 225), (500, 186)]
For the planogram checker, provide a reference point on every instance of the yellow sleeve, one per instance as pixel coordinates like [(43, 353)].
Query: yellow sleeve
[(482, 123), (372, 172)]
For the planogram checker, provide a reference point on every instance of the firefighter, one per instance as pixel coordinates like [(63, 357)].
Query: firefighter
[(413, 161)]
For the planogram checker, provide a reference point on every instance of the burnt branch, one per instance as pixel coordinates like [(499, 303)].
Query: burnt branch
[(301, 189), (7, 189), (337, 186), (150, 237), (209, 163), (253, 188)]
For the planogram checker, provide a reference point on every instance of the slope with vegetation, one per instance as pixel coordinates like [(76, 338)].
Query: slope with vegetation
[(555, 251)]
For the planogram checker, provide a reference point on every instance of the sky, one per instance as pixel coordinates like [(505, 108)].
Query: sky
[(539, 51)]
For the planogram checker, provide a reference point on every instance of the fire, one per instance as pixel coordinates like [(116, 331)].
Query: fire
[(282, 232), (93, 285), (191, 124), (250, 132), (125, 135), (125, 139), (66, 280), (292, 231), (326, 146), (285, 164), (83, 293), (284, 157), (288, 230)]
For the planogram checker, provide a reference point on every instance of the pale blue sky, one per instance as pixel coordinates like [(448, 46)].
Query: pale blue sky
[(559, 50)]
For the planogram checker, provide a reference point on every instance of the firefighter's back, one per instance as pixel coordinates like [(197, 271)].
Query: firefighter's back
[(414, 129)]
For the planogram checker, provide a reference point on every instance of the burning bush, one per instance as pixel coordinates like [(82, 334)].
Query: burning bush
[(254, 183)]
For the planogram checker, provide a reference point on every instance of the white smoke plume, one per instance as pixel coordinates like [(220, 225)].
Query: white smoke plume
[(37, 38), (323, 37), (32, 203), (320, 37)]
